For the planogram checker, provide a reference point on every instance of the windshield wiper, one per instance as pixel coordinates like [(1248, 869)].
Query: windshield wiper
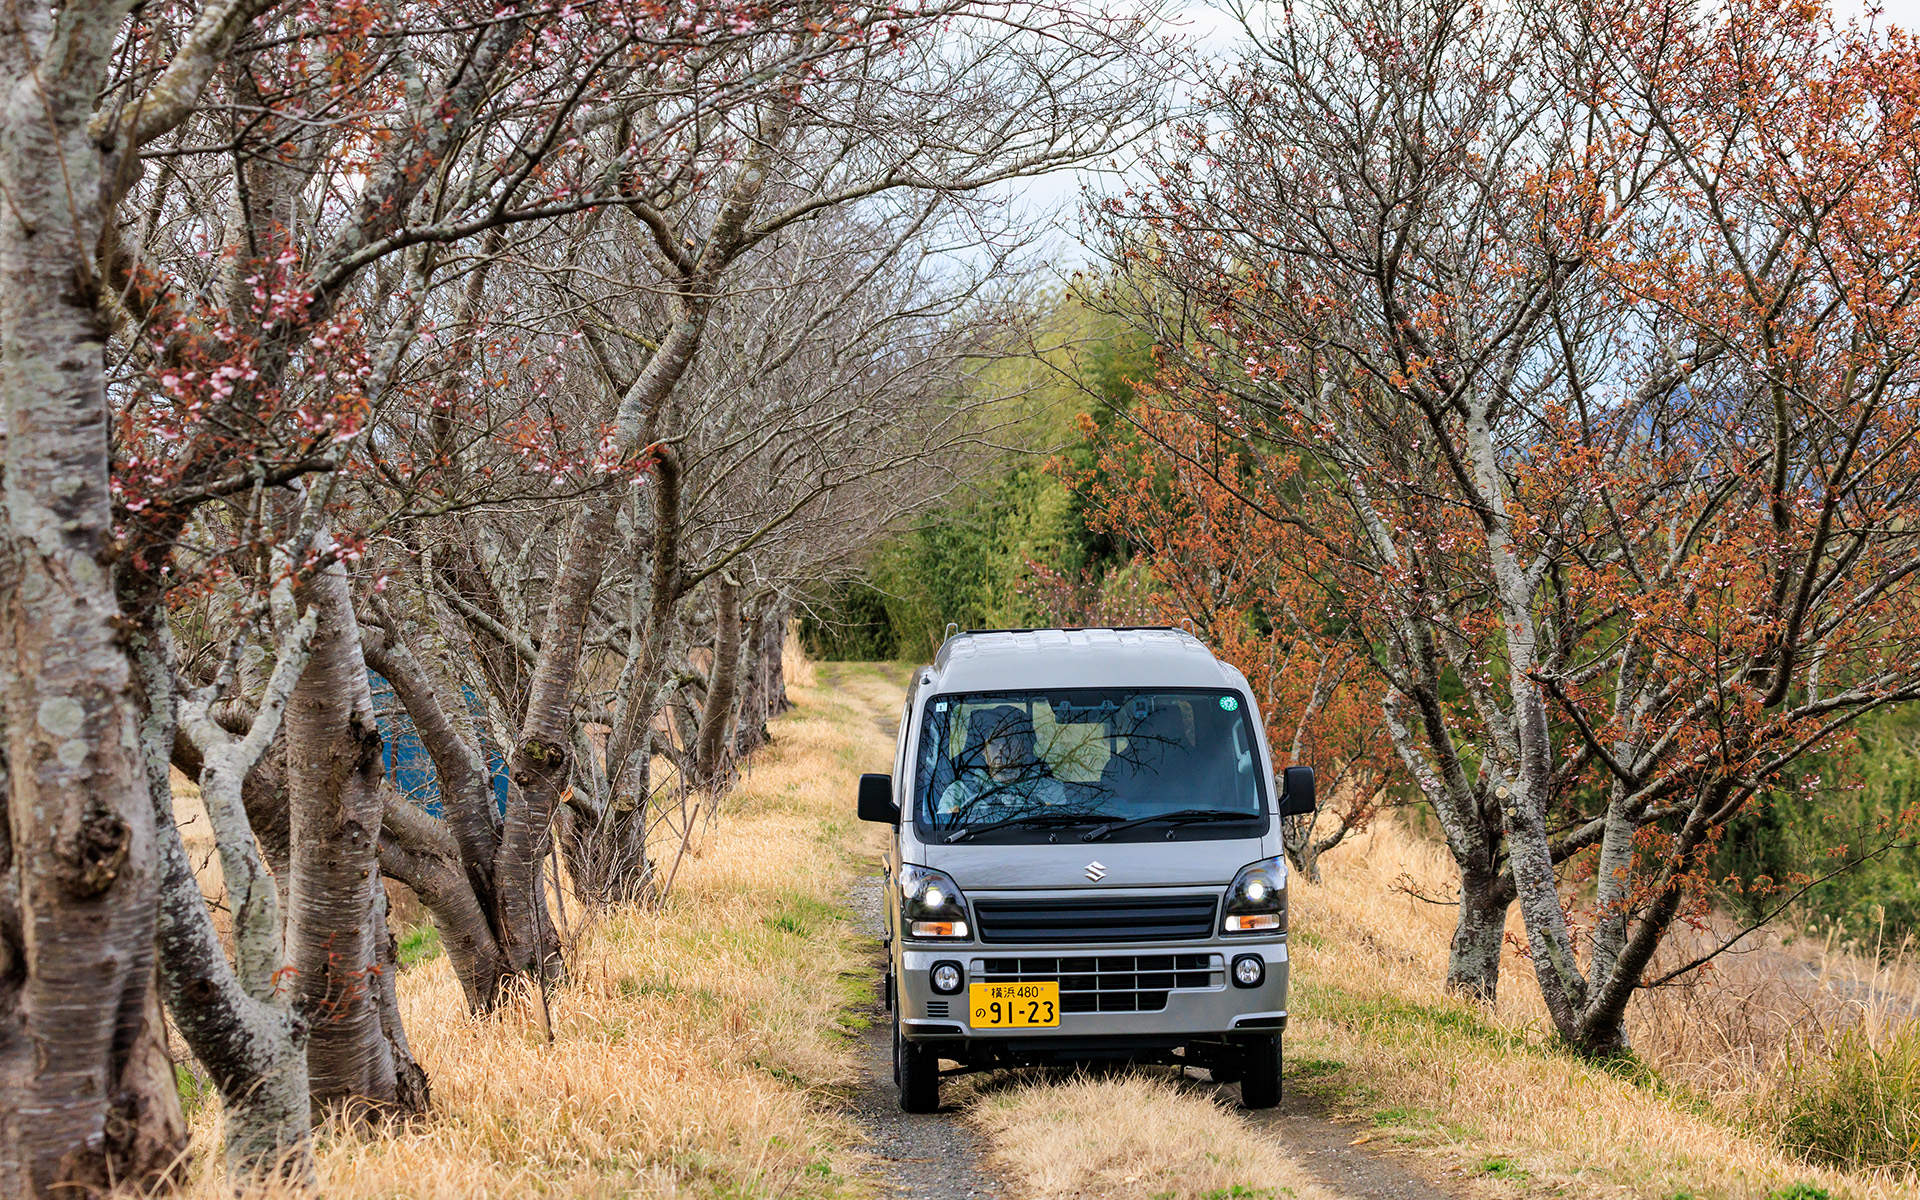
[(1035, 819), (1179, 816)]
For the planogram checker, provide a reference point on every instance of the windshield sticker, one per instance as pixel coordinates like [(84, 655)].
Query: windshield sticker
[(940, 707), (1229, 703)]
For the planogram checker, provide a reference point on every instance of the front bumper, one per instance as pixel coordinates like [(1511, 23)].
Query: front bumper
[(1215, 1009)]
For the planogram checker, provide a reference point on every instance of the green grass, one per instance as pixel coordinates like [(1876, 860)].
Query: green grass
[(1860, 1108), (1410, 1124), (1302, 1069), (1400, 1021), (420, 943), (196, 1089), (1629, 1067), (1505, 1168), (804, 916), (1426, 1031), (632, 987), (1404, 1022)]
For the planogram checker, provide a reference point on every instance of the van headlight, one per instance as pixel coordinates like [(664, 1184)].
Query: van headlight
[(931, 906), (1257, 901)]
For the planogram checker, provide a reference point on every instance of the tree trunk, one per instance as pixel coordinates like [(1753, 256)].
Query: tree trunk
[(716, 719), (76, 952), (1602, 1023), (750, 723), (1523, 796), (264, 792), (621, 869), (412, 1092), (1303, 854), (240, 1025), (333, 752), (1613, 885), (777, 701), (760, 702), (1467, 816), (419, 852), (1473, 960), (541, 763)]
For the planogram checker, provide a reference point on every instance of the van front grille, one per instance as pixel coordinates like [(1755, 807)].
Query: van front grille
[(1108, 982), (1102, 919)]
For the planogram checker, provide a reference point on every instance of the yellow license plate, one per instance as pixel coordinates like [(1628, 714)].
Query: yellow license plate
[(1014, 1005)]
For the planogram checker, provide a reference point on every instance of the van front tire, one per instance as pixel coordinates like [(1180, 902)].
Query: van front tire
[(1260, 1072), (917, 1070)]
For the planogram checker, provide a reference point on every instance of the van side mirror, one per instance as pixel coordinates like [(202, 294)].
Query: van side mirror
[(1296, 792), (876, 799)]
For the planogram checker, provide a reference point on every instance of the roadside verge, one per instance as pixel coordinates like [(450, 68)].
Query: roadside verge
[(701, 1048), (1488, 1096)]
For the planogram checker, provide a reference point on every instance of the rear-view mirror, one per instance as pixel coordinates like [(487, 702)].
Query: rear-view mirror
[(1296, 792), (876, 799)]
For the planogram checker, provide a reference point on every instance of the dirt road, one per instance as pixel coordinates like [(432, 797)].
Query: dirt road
[(936, 1156), (940, 1157), (1325, 1148)]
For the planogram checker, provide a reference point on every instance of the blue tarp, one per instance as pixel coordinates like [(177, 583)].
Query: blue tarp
[(406, 758)]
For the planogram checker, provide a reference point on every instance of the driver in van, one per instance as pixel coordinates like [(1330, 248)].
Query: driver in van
[(1004, 778)]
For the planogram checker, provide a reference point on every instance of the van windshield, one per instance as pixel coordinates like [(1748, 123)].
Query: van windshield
[(1095, 754)]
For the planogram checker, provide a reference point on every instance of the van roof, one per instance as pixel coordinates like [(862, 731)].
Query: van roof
[(991, 660)]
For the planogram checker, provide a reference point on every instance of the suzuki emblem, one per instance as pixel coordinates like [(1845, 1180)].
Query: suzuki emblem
[(1096, 872)]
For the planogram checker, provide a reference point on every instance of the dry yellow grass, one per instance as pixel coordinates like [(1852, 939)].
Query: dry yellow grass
[(1372, 1018), (700, 1045), (1775, 1004), (697, 1045), (1132, 1137), (1481, 1092)]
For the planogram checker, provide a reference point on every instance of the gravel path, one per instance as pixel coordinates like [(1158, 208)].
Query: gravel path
[(933, 1157), (1325, 1149)]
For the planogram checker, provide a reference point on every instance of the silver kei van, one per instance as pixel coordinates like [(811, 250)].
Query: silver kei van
[(1086, 863)]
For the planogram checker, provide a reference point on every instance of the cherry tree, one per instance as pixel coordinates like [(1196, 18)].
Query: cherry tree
[(1229, 543), (1574, 344)]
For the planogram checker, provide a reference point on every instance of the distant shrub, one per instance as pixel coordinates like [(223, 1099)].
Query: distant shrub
[(848, 622), (1859, 1108)]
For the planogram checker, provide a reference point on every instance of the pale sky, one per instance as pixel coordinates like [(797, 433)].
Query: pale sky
[(1903, 13)]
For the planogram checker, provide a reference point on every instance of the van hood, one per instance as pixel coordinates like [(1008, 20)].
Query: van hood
[(1065, 864)]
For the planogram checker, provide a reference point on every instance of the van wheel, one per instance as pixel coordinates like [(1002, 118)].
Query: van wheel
[(1260, 1078), (896, 1046), (917, 1070)]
